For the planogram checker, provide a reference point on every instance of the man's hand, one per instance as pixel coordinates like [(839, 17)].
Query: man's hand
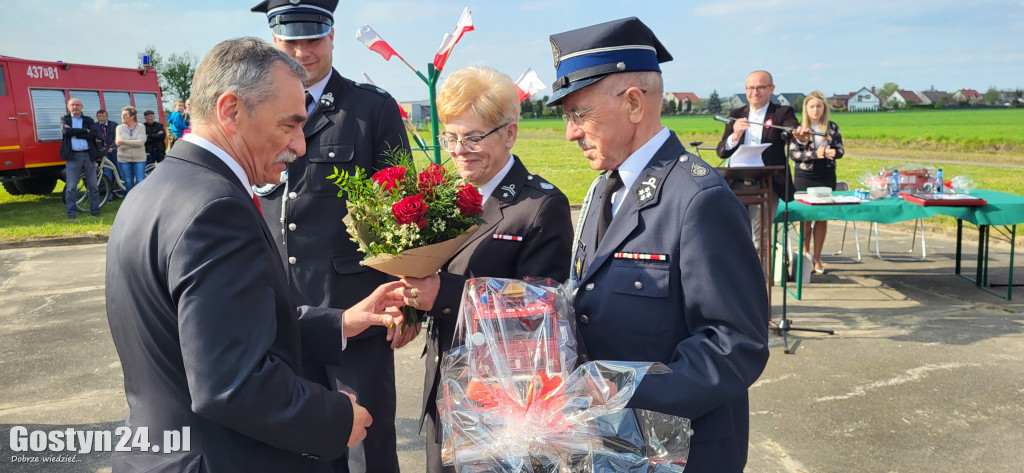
[(802, 134), (361, 419), (738, 128), (372, 310), (421, 293)]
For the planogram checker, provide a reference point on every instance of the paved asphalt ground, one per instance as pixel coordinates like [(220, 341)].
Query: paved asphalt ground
[(924, 372)]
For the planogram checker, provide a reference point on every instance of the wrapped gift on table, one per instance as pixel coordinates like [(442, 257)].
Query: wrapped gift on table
[(512, 399)]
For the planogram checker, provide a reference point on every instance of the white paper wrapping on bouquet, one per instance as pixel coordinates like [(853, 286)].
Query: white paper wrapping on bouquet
[(512, 400)]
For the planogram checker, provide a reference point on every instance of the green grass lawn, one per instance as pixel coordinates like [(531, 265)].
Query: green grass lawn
[(27, 217)]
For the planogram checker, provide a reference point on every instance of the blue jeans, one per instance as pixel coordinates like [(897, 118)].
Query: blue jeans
[(131, 173), (80, 162)]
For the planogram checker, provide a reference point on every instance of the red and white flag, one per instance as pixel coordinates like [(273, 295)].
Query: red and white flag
[(529, 84), (465, 24), (373, 41)]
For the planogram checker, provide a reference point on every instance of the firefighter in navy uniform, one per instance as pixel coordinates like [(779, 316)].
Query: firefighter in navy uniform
[(350, 125), (663, 266)]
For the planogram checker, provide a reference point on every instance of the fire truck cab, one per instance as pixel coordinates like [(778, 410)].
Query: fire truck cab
[(33, 98)]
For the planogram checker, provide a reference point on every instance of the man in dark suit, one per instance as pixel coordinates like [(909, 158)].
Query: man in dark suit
[(156, 139), (759, 109), (79, 150), (199, 307), (527, 230), (663, 267), (350, 125)]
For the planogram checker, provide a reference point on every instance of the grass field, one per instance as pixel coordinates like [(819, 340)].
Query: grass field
[(961, 142)]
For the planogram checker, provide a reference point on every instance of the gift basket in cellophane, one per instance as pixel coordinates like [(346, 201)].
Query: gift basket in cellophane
[(512, 399)]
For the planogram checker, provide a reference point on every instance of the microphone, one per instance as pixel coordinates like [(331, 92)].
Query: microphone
[(724, 119)]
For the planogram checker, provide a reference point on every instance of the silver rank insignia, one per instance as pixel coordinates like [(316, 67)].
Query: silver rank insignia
[(546, 186), (509, 189), (698, 171), (327, 99), (646, 190)]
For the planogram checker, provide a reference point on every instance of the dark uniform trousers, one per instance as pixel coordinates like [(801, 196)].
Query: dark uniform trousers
[(523, 205), (351, 126), (676, 280)]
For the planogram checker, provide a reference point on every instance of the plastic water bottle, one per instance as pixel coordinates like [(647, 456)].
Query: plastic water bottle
[(894, 187), (941, 182)]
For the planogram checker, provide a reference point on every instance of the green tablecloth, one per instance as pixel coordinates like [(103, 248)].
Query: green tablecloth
[(1001, 209)]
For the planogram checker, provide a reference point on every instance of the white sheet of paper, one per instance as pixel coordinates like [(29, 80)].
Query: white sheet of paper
[(747, 156)]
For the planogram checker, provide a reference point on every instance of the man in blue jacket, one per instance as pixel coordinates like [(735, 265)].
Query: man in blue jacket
[(664, 267)]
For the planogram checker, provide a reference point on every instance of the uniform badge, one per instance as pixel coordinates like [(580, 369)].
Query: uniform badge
[(646, 190), (510, 190), (554, 51), (546, 186), (502, 236), (698, 171), (640, 256), (683, 158), (579, 265), (327, 99)]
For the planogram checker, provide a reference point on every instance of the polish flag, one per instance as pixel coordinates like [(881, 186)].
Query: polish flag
[(373, 41), (465, 24), (529, 84)]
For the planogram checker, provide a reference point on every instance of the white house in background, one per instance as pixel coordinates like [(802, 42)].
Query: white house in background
[(863, 100), (794, 100)]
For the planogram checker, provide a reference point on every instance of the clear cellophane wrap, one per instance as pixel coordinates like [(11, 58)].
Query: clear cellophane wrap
[(511, 398)]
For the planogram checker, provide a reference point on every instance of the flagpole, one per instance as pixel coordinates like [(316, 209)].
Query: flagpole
[(435, 131)]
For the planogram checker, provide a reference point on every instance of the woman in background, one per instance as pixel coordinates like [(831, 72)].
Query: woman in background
[(815, 162), (130, 138)]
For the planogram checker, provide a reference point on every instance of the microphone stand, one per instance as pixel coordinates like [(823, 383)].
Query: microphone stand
[(785, 326)]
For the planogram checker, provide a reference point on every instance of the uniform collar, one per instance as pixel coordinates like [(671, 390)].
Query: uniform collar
[(636, 162), (317, 90), (488, 188)]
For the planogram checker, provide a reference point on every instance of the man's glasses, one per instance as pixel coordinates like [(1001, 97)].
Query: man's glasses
[(759, 89), (471, 143), (577, 117)]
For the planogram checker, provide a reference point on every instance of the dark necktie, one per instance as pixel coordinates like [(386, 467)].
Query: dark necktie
[(611, 184), (309, 100)]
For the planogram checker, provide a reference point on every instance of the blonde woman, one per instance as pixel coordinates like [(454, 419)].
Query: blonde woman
[(130, 139), (815, 162)]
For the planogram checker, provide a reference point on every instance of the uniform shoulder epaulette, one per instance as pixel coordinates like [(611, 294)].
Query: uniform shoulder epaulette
[(536, 181), (698, 169), (373, 88)]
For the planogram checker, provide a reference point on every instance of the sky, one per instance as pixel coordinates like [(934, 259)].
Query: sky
[(835, 47)]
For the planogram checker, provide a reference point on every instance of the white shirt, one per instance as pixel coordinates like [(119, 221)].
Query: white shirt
[(749, 138), (488, 188), (224, 156), (317, 90), (631, 168)]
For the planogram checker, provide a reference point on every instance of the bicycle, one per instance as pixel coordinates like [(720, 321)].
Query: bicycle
[(104, 184)]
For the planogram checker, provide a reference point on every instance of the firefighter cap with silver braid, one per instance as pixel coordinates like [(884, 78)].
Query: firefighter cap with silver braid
[(298, 19)]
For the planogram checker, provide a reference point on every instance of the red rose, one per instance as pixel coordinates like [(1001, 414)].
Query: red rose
[(431, 177), (411, 209), (468, 199), (388, 178)]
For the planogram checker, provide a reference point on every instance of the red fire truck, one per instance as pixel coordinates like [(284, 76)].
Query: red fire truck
[(33, 98)]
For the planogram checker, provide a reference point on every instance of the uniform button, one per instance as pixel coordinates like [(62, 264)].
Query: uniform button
[(639, 285), (292, 226), (584, 319), (589, 286), (447, 310), (292, 195), (437, 359), (292, 260), (530, 177), (331, 154)]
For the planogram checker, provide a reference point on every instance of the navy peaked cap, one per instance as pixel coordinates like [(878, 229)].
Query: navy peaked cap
[(587, 55), (298, 19)]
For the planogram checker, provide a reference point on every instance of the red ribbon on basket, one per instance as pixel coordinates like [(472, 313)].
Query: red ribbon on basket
[(545, 396)]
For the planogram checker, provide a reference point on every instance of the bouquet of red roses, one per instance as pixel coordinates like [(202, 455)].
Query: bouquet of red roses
[(408, 222)]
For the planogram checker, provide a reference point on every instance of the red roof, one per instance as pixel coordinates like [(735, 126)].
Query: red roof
[(909, 96), (970, 93), (682, 96)]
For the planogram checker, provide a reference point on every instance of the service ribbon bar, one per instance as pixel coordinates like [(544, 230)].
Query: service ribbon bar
[(499, 236), (641, 256)]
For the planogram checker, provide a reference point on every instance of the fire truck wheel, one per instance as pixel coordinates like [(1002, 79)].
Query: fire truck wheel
[(11, 188), (38, 186)]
